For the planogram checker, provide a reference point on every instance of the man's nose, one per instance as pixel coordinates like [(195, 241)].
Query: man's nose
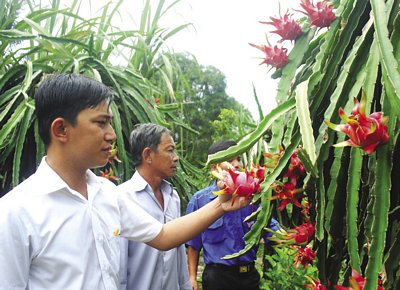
[(110, 134)]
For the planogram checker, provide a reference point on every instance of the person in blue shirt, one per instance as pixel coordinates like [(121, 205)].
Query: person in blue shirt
[(223, 237)]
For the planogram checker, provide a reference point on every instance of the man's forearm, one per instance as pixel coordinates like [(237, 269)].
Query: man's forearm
[(193, 261), (180, 230)]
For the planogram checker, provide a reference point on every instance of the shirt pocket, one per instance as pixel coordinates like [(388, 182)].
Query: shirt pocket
[(215, 233)]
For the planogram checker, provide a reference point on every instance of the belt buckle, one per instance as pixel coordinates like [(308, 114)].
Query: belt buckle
[(243, 269)]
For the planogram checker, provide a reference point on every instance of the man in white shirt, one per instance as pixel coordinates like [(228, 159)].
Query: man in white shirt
[(59, 228), (154, 157)]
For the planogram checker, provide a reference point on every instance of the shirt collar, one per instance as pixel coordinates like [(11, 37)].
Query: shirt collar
[(138, 184), (53, 182)]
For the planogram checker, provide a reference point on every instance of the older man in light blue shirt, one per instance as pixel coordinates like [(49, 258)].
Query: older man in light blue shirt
[(143, 267)]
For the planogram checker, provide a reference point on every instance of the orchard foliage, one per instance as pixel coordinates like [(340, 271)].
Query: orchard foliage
[(352, 192), (150, 83)]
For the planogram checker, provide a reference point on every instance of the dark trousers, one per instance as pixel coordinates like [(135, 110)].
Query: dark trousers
[(226, 278)]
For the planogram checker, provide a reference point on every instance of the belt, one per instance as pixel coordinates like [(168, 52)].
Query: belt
[(236, 268)]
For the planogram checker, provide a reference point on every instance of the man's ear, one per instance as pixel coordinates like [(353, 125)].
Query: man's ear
[(58, 129), (146, 155)]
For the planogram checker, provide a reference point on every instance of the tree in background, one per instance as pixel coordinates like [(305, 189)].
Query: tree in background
[(226, 126), (205, 101)]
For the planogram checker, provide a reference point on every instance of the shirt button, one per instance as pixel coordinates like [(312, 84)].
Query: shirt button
[(100, 238)]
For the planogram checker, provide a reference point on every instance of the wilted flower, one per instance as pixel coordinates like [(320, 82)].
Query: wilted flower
[(116, 232), (273, 159), (240, 183), (305, 209), (157, 101), (285, 26), (315, 285), (320, 14), (109, 174), (304, 257), (274, 56), (364, 132), (113, 156)]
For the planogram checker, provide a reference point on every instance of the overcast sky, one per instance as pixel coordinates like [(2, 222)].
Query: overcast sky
[(220, 36), (223, 29)]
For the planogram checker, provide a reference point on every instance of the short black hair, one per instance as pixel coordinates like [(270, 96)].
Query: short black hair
[(145, 135), (220, 145), (65, 96)]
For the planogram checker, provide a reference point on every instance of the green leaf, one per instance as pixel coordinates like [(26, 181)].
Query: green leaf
[(389, 62), (25, 123), (295, 59), (307, 163), (352, 200), (12, 123), (303, 115), (247, 142)]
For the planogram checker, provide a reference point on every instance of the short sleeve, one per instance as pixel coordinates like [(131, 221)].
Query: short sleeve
[(15, 257), (136, 223), (274, 225)]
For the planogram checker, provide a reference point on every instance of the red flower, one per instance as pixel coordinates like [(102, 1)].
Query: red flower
[(274, 56), (295, 170), (301, 235), (240, 183), (320, 14), (285, 26), (305, 256), (287, 193), (357, 282), (109, 174), (364, 132)]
